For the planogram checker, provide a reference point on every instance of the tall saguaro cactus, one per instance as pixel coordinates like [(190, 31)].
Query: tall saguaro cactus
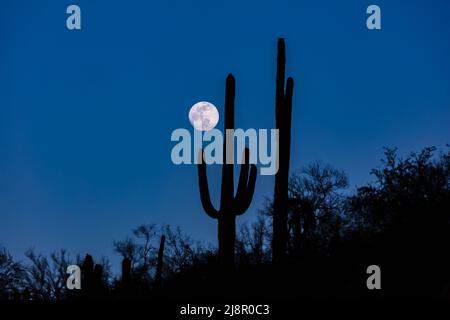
[(231, 204), (283, 115)]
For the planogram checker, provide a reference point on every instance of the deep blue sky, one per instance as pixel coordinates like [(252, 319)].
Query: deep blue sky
[(86, 116)]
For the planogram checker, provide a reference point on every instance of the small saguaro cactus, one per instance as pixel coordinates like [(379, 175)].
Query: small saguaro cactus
[(159, 264), (92, 283), (231, 204), (88, 270), (283, 116), (126, 272)]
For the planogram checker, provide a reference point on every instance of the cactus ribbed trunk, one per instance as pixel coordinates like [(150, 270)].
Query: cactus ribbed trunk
[(283, 115)]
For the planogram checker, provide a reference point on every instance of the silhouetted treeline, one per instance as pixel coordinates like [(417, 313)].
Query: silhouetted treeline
[(400, 221)]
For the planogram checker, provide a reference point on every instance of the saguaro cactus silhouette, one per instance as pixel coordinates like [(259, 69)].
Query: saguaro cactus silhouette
[(283, 115), (126, 272), (92, 282), (231, 205), (159, 264), (87, 272)]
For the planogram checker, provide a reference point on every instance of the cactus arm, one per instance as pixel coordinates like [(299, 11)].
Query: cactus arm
[(245, 199), (287, 116), (204, 190), (243, 175), (246, 185), (288, 103)]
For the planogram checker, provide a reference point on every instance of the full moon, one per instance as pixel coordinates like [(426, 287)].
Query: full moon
[(203, 116)]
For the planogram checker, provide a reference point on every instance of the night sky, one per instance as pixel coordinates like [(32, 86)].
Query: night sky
[(86, 116)]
